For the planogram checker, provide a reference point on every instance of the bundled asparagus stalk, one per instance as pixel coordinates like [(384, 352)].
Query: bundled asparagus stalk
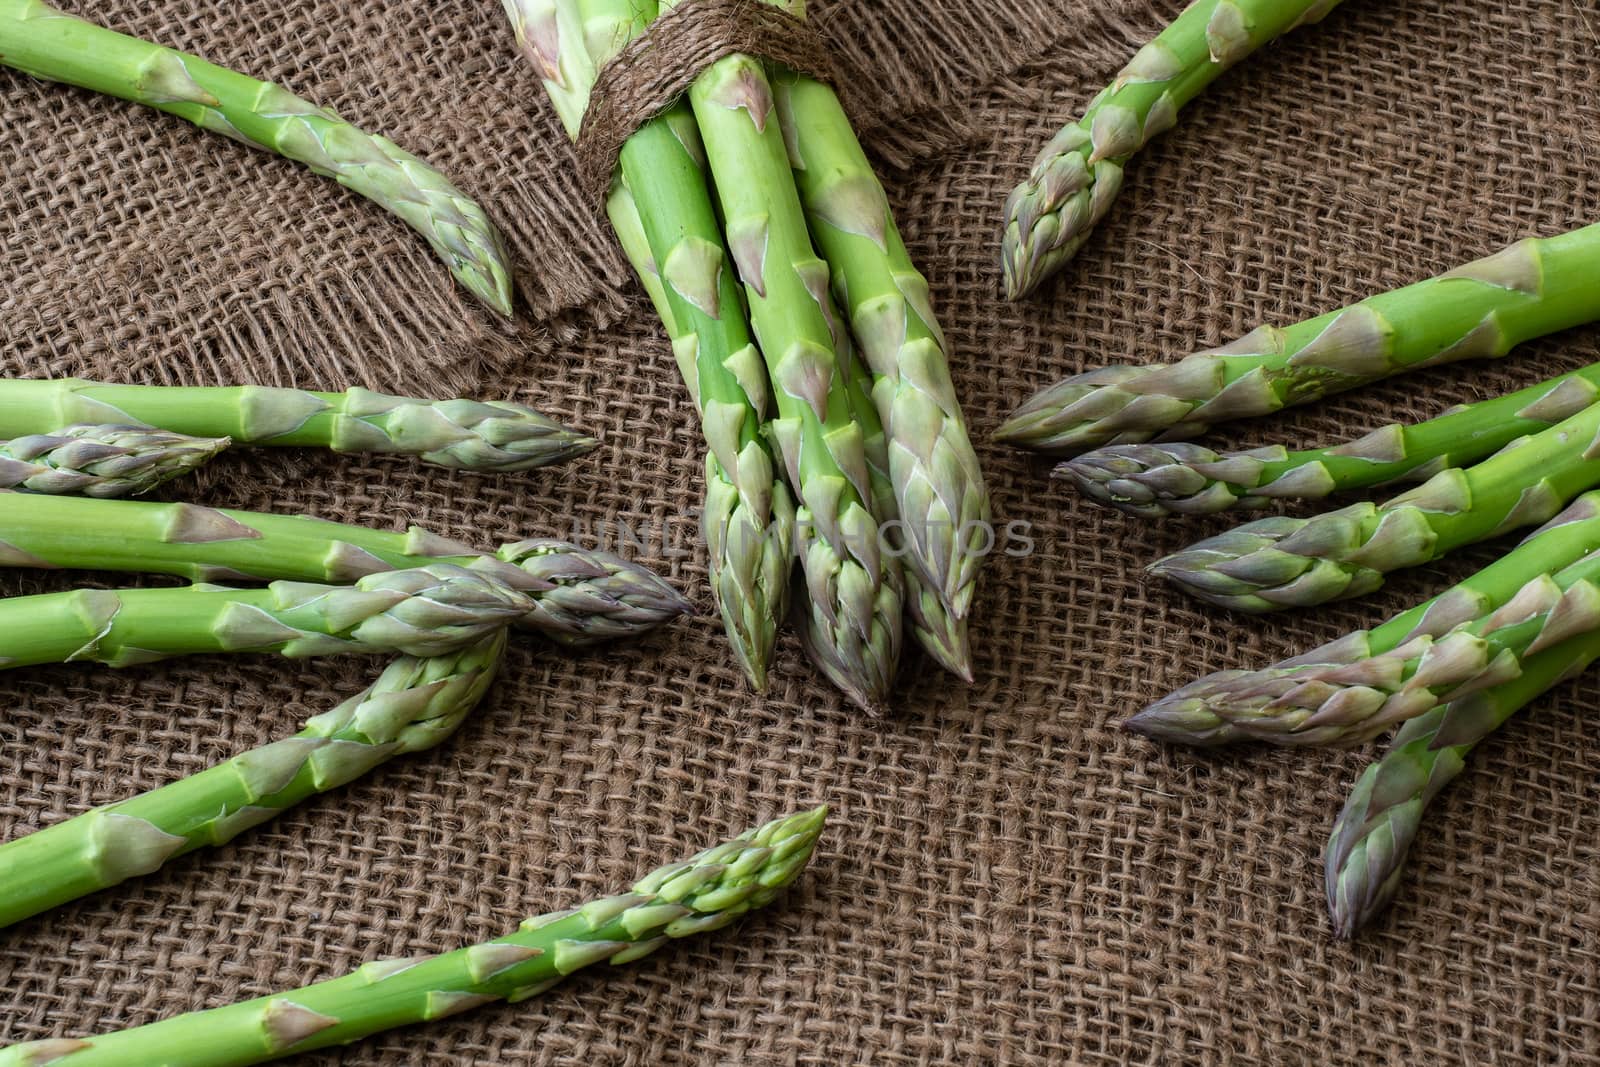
[(39, 40), (416, 704), (1285, 562), (1484, 309), (462, 434), (666, 223), (1210, 712), (102, 461), (574, 596), (706, 892), (1078, 175), (1155, 480)]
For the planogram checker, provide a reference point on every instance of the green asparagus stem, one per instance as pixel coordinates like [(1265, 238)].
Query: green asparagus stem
[(1200, 713), (414, 705), (37, 39), (704, 893), (1535, 287), (1370, 841), (1157, 480), (941, 501), (661, 210), (576, 596), (102, 461), (852, 585), (1283, 562), (461, 434), (1078, 175), (424, 611)]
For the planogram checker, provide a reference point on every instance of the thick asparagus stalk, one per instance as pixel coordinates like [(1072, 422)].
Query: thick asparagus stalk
[(704, 893), (852, 585), (424, 611), (1078, 175), (462, 434), (1484, 309), (1283, 562), (1200, 713), (1370, 841), (1155, 480), (102, 461), (414, 705), (941, 502), (37, 39), (661, 210), (575, 596)]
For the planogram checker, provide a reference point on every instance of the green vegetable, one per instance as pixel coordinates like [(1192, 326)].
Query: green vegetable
[(463, 434), (1285, 562), (941, 502), (1483, 309), (1155, 480), (424, 611), (1078, 175), (575, 596), (704, 893), (102, 461), (1199, 713), (662, 212), (414, 705), (37, 39), (852, 584)]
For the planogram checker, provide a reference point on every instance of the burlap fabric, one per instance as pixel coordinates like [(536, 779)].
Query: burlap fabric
[(1009, 879)]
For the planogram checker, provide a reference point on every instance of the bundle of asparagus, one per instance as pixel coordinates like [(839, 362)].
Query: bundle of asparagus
[(772, 153), (39, 40)]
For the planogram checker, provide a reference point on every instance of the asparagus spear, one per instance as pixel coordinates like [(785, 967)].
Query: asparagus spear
[(576, 596), (1285, 562), (1078, 175), (1484, 309), (941, 501), (706, 892), (102, 461), (661, 210), (853, 588), (423, 611), (462, 434), (37, 39), (1367, 850), (413, 706), (1197, 714), (1155, 480)]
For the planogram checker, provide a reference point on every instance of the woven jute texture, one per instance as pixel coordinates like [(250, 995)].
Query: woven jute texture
[(1009, 879)]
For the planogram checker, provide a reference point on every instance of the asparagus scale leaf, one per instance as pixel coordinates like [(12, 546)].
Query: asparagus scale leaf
[(1482, 310), (414, 705), (37, 39), (102, 461), (706, 892)]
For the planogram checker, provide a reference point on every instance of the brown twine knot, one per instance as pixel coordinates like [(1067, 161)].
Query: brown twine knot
[(659, 65)]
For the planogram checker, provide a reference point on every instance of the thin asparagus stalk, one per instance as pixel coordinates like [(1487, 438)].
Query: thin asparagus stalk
[(1367, 850), (1078, 175), (413, 706), (575, 596), (424, 611), (1199, 713), (102, 461), (1481, 310), (941, 502), (662, 213), (852, 586), (704, 893), (37, 39), (1156, 480), (462, 434), (1284, 562)]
